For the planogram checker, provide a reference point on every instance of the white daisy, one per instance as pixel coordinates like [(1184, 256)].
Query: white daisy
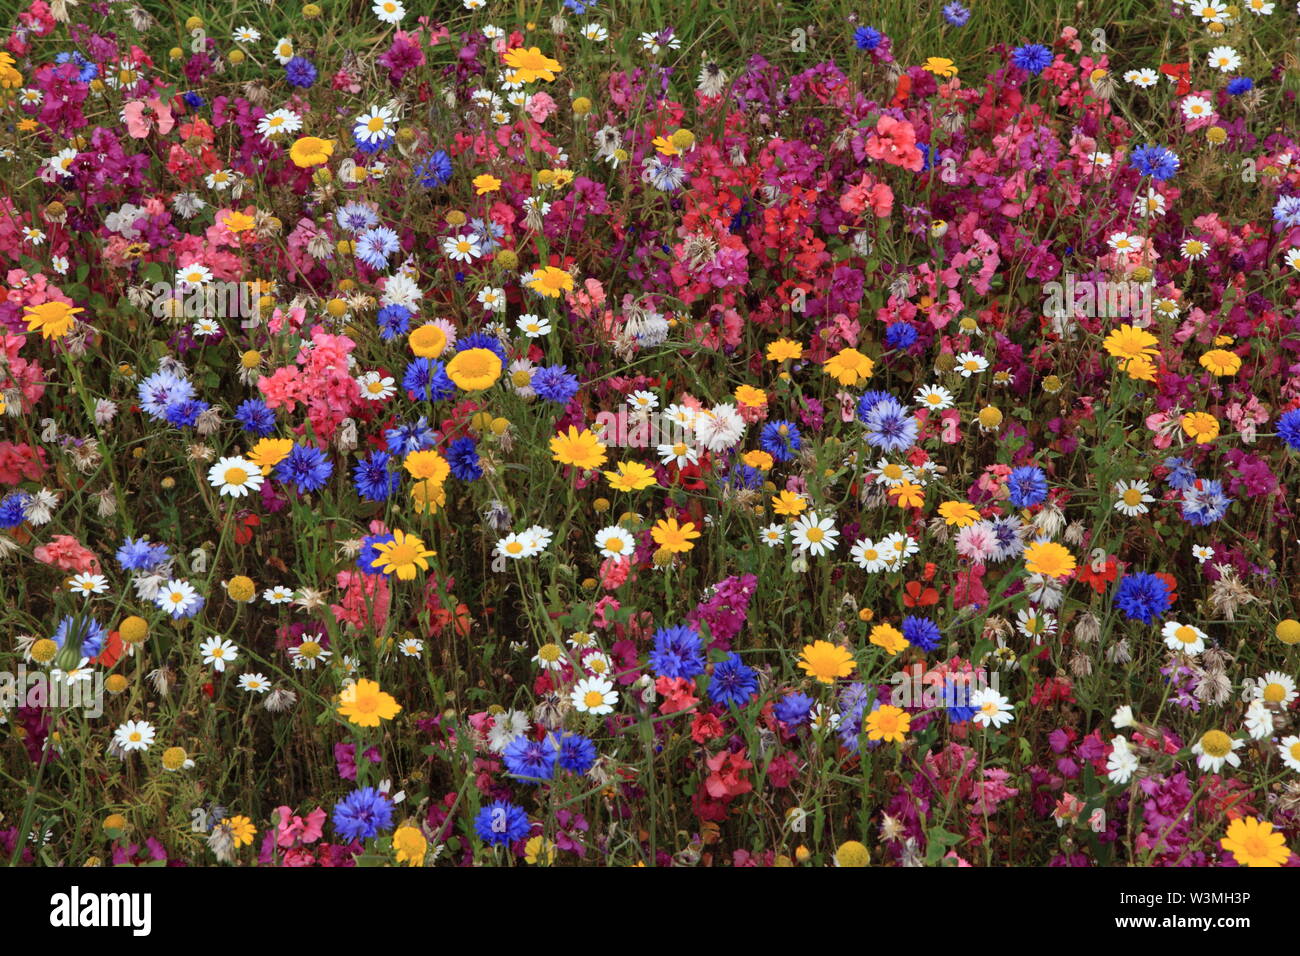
[(246, 35), (643, 401), (1197, 107), (389, 11), (678, 453), (991, 708), (279, 121), (1183, 637), (594, 695), (134, 735), (461, 248), (533, 326), (1224, 59), (934, 397), (1149, 205), (971, 363), (1214, 749), (277, 595), (1132, 498), (868, 555), (87, 584), (176, 597), (376, 388), (615, 542), (1289, 748), (235, 477), (218, 652), (374, 125), (1144, 78), (411, 647), (254, 683), (772, 535), (810, 533)]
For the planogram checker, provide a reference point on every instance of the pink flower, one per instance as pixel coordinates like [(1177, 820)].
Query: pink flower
[(540, 106), (293, 829), (139, 121), (67, 554)]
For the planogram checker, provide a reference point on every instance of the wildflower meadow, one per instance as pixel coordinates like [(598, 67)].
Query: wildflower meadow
[(629, 433)]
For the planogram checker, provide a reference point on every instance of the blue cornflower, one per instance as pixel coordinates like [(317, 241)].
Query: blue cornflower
[(1204, 503), (462, 456), (300, 72), (185, 414), (362, 814), (555, 384), (369, 552), (531, 760), (1006, 532), (780, 439), (1240, 84), (868, 401), (853, 707), (193, 100), (434, 171), (161, 390), (742, 477), (900, 335), (428, 379), (501, 822), (305, 467), (1286, 211), (405, 439), (254, 417), (577, 753), (13, 510), (1181, 476), (1288, 428), (956, 14), (373, 479), (394, 320), (733, 682), (1028, 486), (487, 233), (1143, 597), (374, 246), (678, 652), (370, 147), (794, 709), (922, 632), (356, 217), (1154, 161), (88, 632), (867, 38), (1032, 58), (956, 700), (86, 71), (580, 6), (481, 340), (890, 427), (137, 554)]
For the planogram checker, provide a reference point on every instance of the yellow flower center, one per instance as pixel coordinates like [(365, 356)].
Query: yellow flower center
[(1216, 743)]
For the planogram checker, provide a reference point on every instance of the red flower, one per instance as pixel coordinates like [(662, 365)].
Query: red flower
[(914, 595), (726, 781)]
